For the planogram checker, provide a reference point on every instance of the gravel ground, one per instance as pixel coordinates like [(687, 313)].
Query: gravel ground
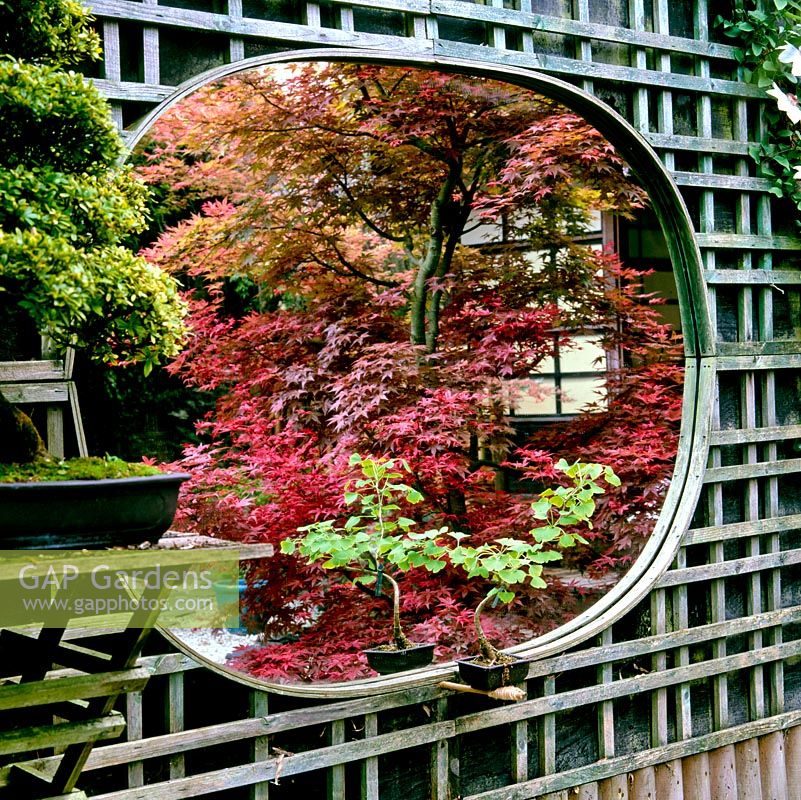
[(215, 644)]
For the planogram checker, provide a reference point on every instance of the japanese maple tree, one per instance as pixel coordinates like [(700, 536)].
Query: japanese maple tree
[(339, 224)]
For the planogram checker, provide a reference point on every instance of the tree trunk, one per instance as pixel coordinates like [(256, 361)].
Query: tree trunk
[(20, 442), (488, 651), (434, 262), (398, 636)]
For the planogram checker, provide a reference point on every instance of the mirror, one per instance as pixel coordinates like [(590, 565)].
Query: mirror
[(450, 271)]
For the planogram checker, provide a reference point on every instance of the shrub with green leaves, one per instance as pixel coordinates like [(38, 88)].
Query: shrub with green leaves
[(376, 542), (66, 209), (768, 39), (510, 563), (67, 205)]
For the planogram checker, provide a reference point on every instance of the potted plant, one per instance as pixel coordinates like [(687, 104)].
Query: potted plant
[(510, 563), (85, 502), (373, 547), (67, 209)]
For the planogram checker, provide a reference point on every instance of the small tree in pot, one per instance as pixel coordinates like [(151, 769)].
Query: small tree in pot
[(67, 209), (373, 546), (67, 206), (510, 563)]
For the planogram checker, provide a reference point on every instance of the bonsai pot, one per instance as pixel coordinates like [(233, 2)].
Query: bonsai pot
[(89, 513), (489, 678), (385, 661)]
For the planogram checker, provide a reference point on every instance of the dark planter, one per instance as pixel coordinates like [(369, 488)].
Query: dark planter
[(490, 678), (385, 662), (78, 514)]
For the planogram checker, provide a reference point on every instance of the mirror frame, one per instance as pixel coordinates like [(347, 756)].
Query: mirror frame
[(685, 487)]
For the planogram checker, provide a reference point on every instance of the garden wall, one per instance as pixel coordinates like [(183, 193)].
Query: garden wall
[(696, 656)]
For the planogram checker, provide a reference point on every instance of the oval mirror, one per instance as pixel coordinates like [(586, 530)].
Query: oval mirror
[(454, 273)]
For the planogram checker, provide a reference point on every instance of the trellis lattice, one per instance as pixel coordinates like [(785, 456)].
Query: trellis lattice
[(696, 691)]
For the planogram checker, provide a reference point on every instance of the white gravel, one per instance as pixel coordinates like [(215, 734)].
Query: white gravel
[(215, 644)]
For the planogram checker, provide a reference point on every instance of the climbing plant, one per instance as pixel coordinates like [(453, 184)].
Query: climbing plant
[(769, 37)]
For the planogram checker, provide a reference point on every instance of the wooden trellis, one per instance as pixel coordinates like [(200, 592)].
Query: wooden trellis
[(687, 682)]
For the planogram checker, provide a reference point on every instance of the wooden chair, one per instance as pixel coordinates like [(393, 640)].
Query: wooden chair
[(46, 382)]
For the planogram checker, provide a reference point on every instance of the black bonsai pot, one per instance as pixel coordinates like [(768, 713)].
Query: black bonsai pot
[(386, 661), (83, 514), (489, 678)]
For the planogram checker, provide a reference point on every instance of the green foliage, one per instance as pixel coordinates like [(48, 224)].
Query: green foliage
[(508, 563), (376, 541), (55, 119), (67, 206), (769, 35), (377, 536), (47, 31)]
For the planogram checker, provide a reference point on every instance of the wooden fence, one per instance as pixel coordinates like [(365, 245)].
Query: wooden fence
[(687, 682)]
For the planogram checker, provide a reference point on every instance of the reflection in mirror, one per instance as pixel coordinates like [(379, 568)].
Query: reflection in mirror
[(449, 271)]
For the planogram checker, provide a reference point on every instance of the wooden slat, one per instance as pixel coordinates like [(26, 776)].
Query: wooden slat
[(736, 566), (547, 731), (61, 734), (747, 766), (187, 19), (753, 277), (614, 788), (722, 774), (743, 241), (135, 732), (518, 746), (336, 774), (132, 91), (614, 775), (680, 622), (643, 783), (175, 719), (20, 393), (606, 714), (756, 362), (41, 693), (581, 28), (589, 791), (260, 708), (695, 774), (659, 699), (670, 781), (761, 469), (792, 760), (741, 349), (369, 787), (731, 182), (773, 771), (558, 65), (663, 140), (29, 371), (771, 433)]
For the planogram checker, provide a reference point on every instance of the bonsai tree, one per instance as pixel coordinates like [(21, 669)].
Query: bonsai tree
[(508, 563), (67, 208), (377, 542)]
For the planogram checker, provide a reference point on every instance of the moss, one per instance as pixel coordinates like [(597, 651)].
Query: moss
[(75, 469)]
